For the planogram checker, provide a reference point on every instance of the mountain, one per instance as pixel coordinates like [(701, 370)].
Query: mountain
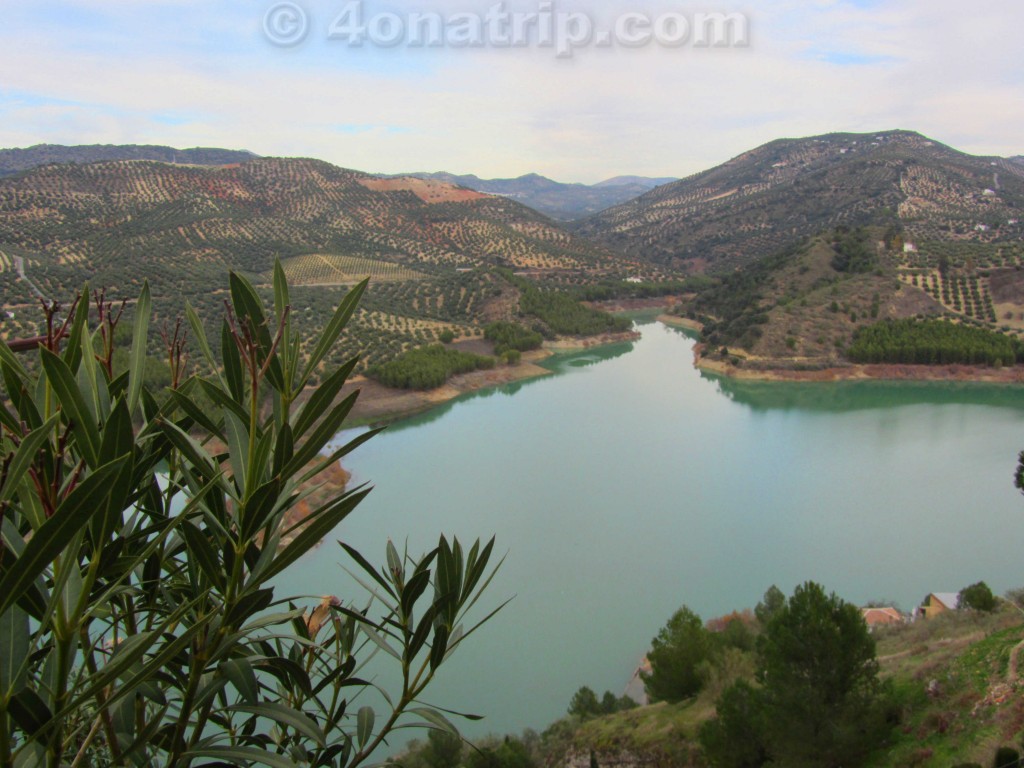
[(1019, 159), (430, 247), (17, 160), (791, 189), (637, 181), (562, 202)]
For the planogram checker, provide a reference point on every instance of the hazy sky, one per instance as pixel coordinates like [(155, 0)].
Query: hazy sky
[(207, 73)]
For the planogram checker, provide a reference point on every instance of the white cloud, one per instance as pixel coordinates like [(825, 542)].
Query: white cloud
[(927, 65)]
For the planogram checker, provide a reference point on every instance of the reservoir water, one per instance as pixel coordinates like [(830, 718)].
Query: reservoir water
[(629, 484)]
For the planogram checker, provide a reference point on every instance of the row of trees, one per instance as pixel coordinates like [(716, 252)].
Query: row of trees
[(932, 342), (428, 367)]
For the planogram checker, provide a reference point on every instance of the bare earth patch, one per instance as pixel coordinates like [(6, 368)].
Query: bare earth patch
[(427, 190)]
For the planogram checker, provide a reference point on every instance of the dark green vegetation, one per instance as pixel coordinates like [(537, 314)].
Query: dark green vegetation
[(817, 699), (562, 202), (428, 367), (585, 703), (788, 190), (800, 681), (933, 342), (560, 314), (438, 255), (17, 160), (512, 336), (978, 597), (139, 624)]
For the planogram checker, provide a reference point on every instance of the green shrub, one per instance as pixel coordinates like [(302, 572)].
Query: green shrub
[(428, 367), (139, 623), (978, 597)]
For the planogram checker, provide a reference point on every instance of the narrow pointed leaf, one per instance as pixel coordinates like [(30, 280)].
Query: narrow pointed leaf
[(83, 424), (314, 533), (14, 650), (286, 716), (242, 756), (242, 676), (24, 456), (137, 359), (322, 398), (364, 726), (334, 328), (71, 516)]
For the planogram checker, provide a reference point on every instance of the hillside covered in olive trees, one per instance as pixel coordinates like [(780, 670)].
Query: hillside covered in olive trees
[(438, 256)]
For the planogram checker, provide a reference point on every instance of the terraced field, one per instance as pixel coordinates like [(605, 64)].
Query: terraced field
[(332, 269)]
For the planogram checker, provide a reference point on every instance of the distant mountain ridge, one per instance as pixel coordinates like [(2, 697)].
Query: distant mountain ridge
[(562, 202), (17, 160), (790, 189)]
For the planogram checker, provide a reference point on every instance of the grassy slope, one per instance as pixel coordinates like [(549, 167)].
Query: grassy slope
[(964, 715)]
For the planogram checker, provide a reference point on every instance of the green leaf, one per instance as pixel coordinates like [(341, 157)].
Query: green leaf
[(71, 516), (75, 346), (413, 590), (439, 646), (333, 329), (238, 446), (14, 650), (203, 553), (436, 719), (194, 412), (322, 398), (259, 508), (281, 300), (364, 725), (83, 424), (118, 437), (249, 605), (29, 711), (242, 676), (380, 642), (286, 716), (11, 359), (199, 333), (368, 568), (137, 358), (315, 532), (242, 756), (24, 456), (326, 431)]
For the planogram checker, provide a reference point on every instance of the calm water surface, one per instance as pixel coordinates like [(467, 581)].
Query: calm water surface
[(629, 484)]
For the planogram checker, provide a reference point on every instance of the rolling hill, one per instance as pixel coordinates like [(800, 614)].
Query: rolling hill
[(791, 189), (562, 202), (17, 160), (430, 247)]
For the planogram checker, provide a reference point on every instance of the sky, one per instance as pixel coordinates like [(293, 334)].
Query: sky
[(487, 97)]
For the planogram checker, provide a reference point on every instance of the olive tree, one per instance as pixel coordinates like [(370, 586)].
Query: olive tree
[(139, 624)]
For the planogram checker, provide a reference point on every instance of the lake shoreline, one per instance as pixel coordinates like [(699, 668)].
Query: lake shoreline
[(378, 404), (773, 371)]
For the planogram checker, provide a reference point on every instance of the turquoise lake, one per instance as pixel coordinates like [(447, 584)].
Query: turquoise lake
[(628, 484)]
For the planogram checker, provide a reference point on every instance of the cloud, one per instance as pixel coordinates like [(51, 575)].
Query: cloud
[(191, 74)]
